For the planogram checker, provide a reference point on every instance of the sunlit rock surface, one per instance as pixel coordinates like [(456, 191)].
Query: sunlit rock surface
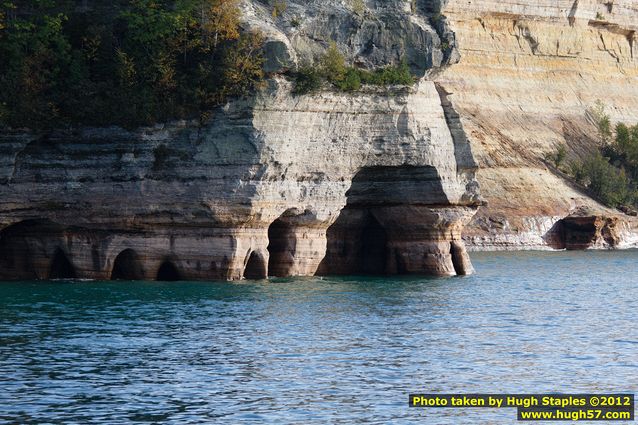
[(274, 185), (529, 70)]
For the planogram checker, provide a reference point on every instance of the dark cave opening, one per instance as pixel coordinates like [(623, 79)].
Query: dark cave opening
[(579, 233), (255, 267), (22, 247), (357, 243), (457, 259), (372, 247), (281, 248), (168, 272), (127, 266), (61, 267)]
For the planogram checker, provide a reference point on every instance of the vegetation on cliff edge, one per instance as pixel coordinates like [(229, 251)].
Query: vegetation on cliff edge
[(125, 62), (332, 68), (611, 173)]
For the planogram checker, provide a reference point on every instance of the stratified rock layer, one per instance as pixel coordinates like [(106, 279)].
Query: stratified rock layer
[(529, 71), (273, 185)]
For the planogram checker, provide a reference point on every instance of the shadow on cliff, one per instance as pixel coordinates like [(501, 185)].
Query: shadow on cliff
[(358, 241), (33, 249)]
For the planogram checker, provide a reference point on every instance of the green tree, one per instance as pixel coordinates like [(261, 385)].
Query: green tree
[(126, 69), (307, 80), (123, 62), (625, 148), (389, 75), (558, 157), (602, 121), (610, 184), (333, 64), (351, 80), (623, 136), (243, 65), (221, 21)]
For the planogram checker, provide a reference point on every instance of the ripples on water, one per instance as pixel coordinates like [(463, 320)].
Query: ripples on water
[(331, 350)]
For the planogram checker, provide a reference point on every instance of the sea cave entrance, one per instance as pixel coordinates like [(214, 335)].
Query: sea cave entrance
[(372, 251), (127, 266), (61, 267), (281, 247), (25, 249), (357, 243), (255, 267), (371, 235), (168, 272), (457, 259)]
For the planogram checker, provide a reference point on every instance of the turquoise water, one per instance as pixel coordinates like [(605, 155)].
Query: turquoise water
[(331, 350)]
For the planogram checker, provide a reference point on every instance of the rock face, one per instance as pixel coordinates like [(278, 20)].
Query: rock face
[(371, 182), (371, 33), (529, 71), (585, 229), (519, 75), (584, 232)]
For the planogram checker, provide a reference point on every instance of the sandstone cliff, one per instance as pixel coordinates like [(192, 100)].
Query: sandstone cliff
[(529, 72), (379, 181), (273, 185)]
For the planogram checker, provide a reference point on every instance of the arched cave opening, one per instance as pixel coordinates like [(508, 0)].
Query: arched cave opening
[(15, 255), (168, 272), (255, 267), (357, 242), (61, 267), (580, 232), (555, 237), (373, 247), (281, 248), (24, 246), (127, 266)]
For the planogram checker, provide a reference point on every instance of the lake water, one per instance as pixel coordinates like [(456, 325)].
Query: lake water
[(331, 350)]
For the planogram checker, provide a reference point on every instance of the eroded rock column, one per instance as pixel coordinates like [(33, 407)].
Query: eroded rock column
[(297, 244)]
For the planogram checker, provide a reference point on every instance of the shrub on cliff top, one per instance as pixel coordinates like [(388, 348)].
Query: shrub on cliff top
[(121, 62), (389, 75), (351, 81), (333, 69), (307, 80), (333, 64)]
